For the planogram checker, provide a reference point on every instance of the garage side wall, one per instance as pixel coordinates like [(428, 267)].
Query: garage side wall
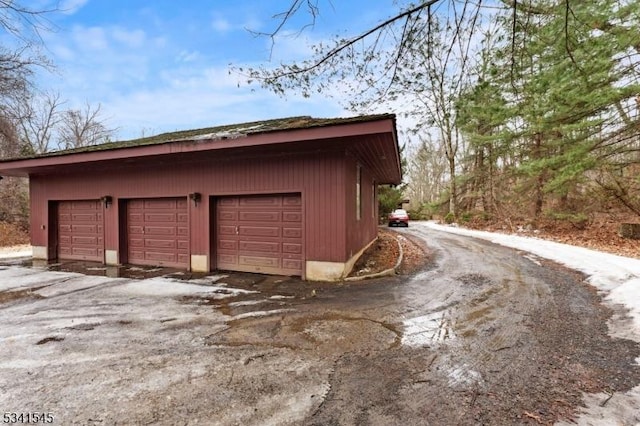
[(362, 227), (318, 177)]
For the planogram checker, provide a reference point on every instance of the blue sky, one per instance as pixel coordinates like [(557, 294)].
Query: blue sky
[(163, 65)]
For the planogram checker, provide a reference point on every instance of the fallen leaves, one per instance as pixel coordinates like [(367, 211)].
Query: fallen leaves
[(11, 235)]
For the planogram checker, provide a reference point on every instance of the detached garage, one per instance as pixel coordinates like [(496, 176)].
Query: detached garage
[(294, 196)]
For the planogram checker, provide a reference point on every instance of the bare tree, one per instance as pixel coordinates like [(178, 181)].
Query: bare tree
[(426, 172), (24, 22), (83, 127), (37, 118)]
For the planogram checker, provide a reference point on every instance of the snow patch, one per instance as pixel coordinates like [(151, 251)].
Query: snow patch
[(617, 276), (18, 277), (427, 330), (463, 375), (259, 314), (533, 258), (161, 286), (16, 251)]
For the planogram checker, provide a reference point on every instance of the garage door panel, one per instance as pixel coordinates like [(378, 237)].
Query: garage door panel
[(86, 217), (272, 262), (291, 200), (259, 231), (251, 234), (135, 217), (228, 245), (226, 230), (85, 229), (228, 202), (158, 232), (135, 230), (80, 230), (291, 216), (250, 216), (224, 215), (160, 203), (160, 217), (227, 259), (292, 264), (86, 252), (292, 248), (292, 232), (259, 246), (160, 257), (135, 254), (87, 240), (153, 243), (260, 201), (92, 205), (136, 242)]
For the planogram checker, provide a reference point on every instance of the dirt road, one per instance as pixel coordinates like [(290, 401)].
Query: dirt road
[(483, 335)]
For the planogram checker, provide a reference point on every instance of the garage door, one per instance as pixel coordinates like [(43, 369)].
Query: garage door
[(260, 234), (81, 230), (158, 232)]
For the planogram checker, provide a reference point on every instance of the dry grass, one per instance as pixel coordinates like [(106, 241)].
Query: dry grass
[(12, 235)]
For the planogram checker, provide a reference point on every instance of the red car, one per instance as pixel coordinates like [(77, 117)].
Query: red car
[(399, 217)]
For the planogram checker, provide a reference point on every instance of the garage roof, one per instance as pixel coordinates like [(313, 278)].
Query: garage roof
[(373, 137)]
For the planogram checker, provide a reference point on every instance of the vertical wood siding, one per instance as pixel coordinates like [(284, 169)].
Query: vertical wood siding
[(359, 231), (320, 178)]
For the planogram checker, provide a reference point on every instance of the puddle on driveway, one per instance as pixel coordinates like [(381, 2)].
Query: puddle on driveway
[(11, 295), (328, 333)]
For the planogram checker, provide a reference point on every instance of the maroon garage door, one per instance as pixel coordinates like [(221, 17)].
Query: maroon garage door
[(158, 232), (260, 234), (81, 230)]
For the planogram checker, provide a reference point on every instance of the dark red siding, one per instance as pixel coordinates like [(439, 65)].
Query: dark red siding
[(260, 234), (320, 178), (80, 230), (158, 232), (363, 230)]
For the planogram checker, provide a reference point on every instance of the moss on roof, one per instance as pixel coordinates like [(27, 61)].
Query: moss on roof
[(222, 132)]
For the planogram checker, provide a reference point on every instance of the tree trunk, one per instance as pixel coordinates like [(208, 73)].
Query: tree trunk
[(452, 186), (539, 185)]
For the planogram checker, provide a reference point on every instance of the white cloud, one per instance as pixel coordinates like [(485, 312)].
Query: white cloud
[(187, 56), (204, 98), (69, 7), (130, 38), (221, 25), (90, 38)]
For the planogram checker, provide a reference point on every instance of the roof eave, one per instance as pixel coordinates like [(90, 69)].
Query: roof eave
[(25, 167)]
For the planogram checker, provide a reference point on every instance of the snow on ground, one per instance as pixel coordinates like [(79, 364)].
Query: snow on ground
[(163, 286), (23, 250), (617, 276), (427, 330)]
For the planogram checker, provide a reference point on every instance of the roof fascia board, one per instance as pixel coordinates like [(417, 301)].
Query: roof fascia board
[(194, 145)]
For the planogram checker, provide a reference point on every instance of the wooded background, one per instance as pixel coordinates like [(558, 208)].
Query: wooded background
[(516, 111), (519, 110)]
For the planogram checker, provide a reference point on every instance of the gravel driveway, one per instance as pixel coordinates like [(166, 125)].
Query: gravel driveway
[(482, 335)]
